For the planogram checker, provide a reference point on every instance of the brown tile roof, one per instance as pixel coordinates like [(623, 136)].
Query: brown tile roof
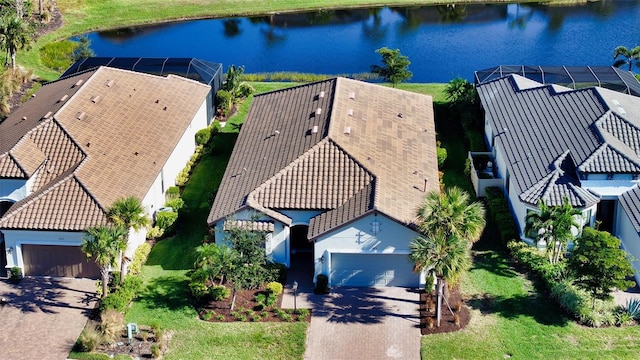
[(366, 134), (111, 136), (9, 167), (260, 226)]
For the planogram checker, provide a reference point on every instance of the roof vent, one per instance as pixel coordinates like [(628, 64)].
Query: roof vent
[(96, 99), (347, 130), (110, 83), (78, 83), (24, 118), (64, 98), (621, 110), (615, 102), (164, 108), (314, 129), (352, 95), (350, 112), (318, 111), (81, 115), (276, 132), (321, 94), (47, 115)]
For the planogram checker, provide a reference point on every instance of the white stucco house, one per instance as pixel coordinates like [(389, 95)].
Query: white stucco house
[(79, 144), (333, 172), (548, 142)]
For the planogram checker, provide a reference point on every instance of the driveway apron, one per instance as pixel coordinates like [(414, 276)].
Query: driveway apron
[(41, 318), (363, 323)]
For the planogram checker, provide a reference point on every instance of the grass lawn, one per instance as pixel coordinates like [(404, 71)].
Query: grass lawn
[(509, 319)]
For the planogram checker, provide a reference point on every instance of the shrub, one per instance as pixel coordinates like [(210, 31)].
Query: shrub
[(274, 288), (172, 193), (139, 258), (322, 284), (155, 351), (15, 274), (203, 136), (154, 232), (441, 153), (183, 176), (207, 315), (123, 295), (111, 324), (223, 99), (219, 292), (632, 307), (304, 312), (623, 318), (176, 204), (276, 272), (166, 219), (89, 339), (198, 289)]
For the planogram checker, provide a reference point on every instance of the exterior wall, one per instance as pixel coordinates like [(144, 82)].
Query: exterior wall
[(357, 237), (14, 239), (299, 217), (609, 188), (630, 238), (13, 190)]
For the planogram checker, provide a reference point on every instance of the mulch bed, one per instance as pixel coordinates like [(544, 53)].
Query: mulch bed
[(247, 309), (140, 346), (449, 322)]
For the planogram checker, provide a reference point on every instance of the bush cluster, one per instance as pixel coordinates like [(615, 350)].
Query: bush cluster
[(183, 175), (139, 259), (275, 288), (165, 220), (276, 272), (123, 295), (219, 292), (500, 215)]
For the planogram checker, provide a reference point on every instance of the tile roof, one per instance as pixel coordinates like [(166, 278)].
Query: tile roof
[(630, 204), (108, 138), (250, 225), (537, 125), (329, 150)]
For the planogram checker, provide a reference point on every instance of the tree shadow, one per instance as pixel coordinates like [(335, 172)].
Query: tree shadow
[(166, 292), (46, 295), (360, 305), (494, 262), (541, 309)]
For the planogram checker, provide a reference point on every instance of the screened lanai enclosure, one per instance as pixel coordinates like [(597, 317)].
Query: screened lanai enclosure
[(574, 77), (203, 71)]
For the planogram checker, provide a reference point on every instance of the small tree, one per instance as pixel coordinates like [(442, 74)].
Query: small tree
[(600, 264), (127, 213), (630, 56), (102, 245), (16, 34), (215, 261), (83, 50), (461, 93), (395, 68)]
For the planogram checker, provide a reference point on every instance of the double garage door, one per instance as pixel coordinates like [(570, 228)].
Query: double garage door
[(64, 261), (366, 270)]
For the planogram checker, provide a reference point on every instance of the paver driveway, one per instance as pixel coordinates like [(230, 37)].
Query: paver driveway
[(364, 323), (42, 317)]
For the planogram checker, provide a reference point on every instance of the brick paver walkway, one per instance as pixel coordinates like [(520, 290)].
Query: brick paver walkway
[(43, 317), (362, 323)]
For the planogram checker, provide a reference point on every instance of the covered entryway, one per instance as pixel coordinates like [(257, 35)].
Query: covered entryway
[(366, 270), (55, 260)]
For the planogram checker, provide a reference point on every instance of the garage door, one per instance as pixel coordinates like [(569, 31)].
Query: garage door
[(50, 260), (372, 270)]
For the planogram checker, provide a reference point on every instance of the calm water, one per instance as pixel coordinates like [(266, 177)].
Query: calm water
[(441, 41)]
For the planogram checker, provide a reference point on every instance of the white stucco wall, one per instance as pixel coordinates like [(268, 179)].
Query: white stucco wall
[(299, 217), (357, 237), (629, 237), (14, 239)]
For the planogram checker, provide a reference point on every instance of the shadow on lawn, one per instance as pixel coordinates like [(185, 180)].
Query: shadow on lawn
[(493, 262), (166, 292), (531, 305)]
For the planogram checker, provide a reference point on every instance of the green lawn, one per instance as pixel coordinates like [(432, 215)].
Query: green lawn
[(509, 319)]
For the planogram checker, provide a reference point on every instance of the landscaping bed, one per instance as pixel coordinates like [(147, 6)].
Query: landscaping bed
[(247, 308), (450, 322)]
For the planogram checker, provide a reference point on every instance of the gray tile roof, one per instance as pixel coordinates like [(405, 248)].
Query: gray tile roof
[(290, 155), (542, 124), (630, 202)]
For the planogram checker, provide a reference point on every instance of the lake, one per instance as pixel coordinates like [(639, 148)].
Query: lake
[(442, 42)]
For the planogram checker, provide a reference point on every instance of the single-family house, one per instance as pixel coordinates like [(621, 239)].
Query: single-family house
[(549, 142), (79, 144), (334, 170)]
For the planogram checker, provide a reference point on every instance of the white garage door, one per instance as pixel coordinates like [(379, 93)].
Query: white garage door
[(372, 270)]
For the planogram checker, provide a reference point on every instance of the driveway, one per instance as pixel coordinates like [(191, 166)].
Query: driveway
[(42, 317), (362, 323)]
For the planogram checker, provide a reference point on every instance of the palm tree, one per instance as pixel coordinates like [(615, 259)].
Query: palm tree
[(102, 245), (449, 225), (129, 214), (445, 255), (631, 55), (553, 225), (451, 214), (17, 36), (214, 260)]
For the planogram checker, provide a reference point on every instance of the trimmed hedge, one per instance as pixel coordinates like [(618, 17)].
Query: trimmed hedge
[(500, 215), (139, 258), (123, 295)]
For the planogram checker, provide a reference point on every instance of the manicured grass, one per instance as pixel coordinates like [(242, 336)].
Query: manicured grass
[(510, 319)]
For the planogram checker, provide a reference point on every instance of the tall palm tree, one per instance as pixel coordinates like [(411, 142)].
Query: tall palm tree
[(451, 214), (554, 226), (445, 255), (631, 56), (102, 245), (17, 36), (129, 214)]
